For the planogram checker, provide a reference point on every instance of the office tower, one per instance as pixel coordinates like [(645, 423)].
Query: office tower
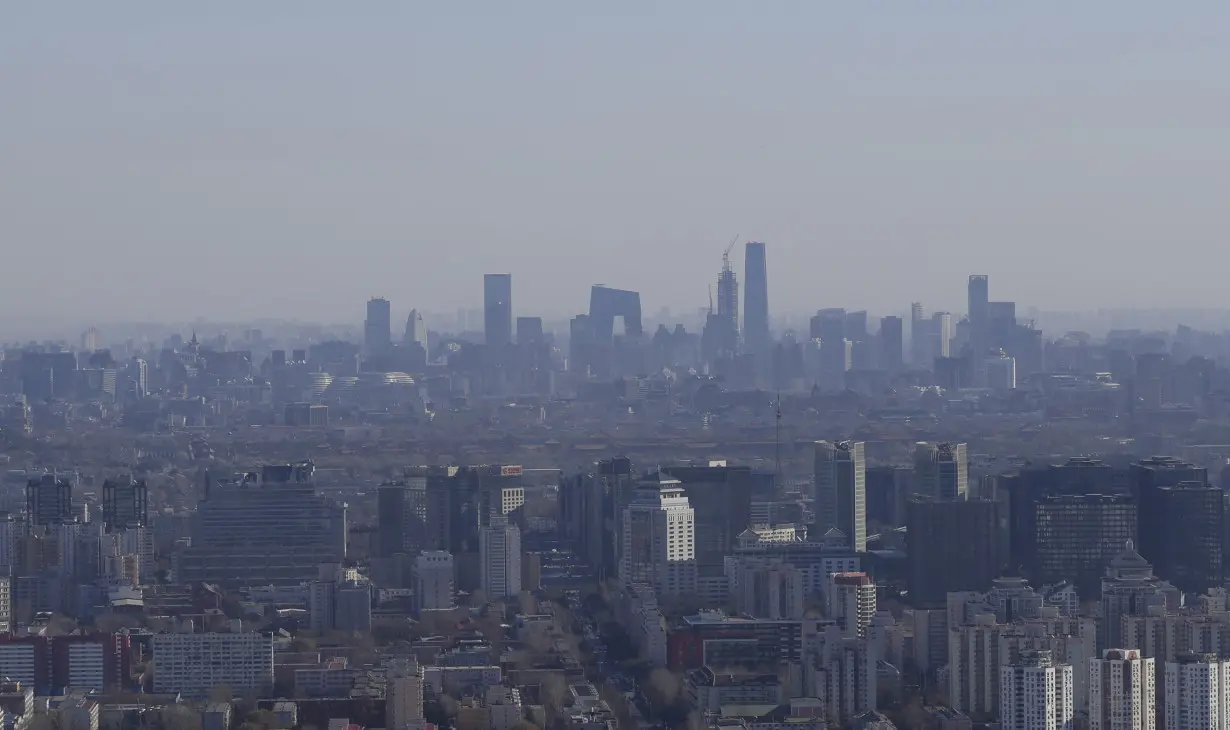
[(756, 336), (921, 339), (941, 470), (378, 327), (892, 352), (433, 581), (941, 335), (851, 602), (49, 500), (1147, 477), (607, 304), (951, 546), (840, 492), (402, 517), (721, 501), (1122, 691), (125, 503), (500, 555), (1000, 372), (1185, 526), (659, 539), (591, 512), (829, 327), (261, 528), (529, 331), (979, 314), (1197, 692), (1035, 693), (497, 309), (416, 330), (1001, 326), (728, 298), (768, 589), (404, 695), (1129, 588), (1077, 536)]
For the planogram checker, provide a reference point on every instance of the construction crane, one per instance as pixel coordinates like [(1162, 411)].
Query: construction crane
[(726, 253)]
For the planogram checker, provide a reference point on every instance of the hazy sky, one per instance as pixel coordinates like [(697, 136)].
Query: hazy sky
[(239, 159)]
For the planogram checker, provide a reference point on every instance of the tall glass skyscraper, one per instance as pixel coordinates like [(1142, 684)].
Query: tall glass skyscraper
[(756, 304), (497, 309)]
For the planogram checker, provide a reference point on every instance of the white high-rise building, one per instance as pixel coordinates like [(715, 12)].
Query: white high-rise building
[(1122, 691), (403, 696), (1035, 693), (659, 539), (1197, 693), (851, 601), (433, 580), (499, 547)]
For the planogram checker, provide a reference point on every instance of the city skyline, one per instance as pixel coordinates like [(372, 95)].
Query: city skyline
[(382, 169)]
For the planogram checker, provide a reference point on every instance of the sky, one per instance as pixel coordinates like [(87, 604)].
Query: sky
[(237, 160)]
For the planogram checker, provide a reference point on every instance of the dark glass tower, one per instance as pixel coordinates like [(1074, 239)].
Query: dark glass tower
[(377, 328), (497, 309), (756, 303)]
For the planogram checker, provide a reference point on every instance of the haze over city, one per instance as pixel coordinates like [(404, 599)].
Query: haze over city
[(241, 160)]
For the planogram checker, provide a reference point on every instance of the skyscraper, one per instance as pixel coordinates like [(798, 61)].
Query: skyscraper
[(756, 304), (1197, 692), (500, 553), (1035, 693), (125, 503), (979, 322), (1122, 691), (892, 351), (952, 545), (841, 496), (920, 338), (728, 296), (659, 539), (416, 331), (497, 309), (377, 328), (941, 470)]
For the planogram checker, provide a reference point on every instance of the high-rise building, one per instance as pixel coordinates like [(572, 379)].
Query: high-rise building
[(591, 512), (941, 470), (851, 601), (979, 315), (1185, 526), (756, 336), (721, 500), (1129, 588), (1122, 691), (728, 296), (1035, 693), (261, 528), (1148, 477), (892, 353), (1197, 688), (404, 695), (941, 334), (841, 491), (921, 355), (500, 556), (416, 330), (659, 538), (497, 309), (605, 305), (1077, 536), (402, 517), (378, 327), (952, 545), (125, 503), (49, 500), (433, 580)]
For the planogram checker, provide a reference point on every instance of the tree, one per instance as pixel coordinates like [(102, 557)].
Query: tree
[(180, 717)]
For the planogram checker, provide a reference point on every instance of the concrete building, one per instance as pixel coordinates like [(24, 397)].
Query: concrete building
[(841, 491), (500, 556), (1035, 693), (941, 470), (433, 581), (659, 539), (1197, 688), (194, 664), (403, 696), (1122, 691), (851, 601), (772, 591)]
